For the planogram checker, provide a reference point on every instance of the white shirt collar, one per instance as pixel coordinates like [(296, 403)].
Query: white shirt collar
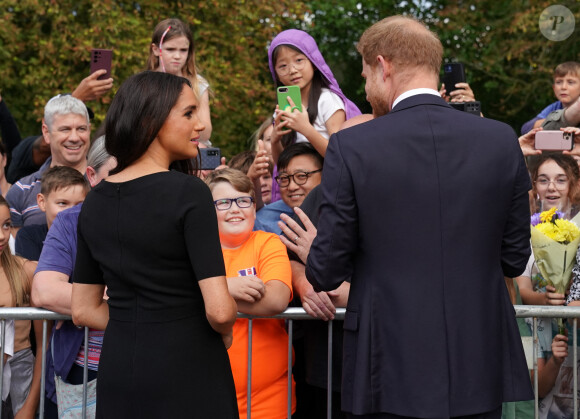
[(413, 92)]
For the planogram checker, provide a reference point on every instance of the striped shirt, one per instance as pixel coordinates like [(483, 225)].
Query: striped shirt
[(95, 345)]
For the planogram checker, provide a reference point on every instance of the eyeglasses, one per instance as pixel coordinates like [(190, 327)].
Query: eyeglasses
[(298, 64), (299, 178), (226, 203), (560, 183)]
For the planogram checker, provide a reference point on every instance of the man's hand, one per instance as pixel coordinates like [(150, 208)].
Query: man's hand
[(317, 304), (91, 89), (295, 237)]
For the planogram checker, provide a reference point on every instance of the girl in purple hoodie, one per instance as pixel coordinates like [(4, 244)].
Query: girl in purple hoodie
[(295, 60)]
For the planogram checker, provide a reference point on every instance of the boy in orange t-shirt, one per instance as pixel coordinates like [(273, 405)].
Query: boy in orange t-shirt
[(260, 279)]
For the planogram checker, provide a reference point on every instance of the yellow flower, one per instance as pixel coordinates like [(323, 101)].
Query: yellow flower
[(568, 229), (547, 216)]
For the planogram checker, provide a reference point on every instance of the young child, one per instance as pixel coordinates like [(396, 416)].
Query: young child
[(62, 187), (251, 163), (15, 283), (172, 51), (566, 89), (260, 280), (295, 59)]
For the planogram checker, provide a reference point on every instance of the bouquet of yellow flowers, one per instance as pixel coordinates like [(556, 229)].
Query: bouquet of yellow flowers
[(554, 242)]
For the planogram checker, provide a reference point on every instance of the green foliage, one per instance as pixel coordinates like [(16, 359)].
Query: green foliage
[(45, 50), (509, 63), (337, 26), (45, 44)]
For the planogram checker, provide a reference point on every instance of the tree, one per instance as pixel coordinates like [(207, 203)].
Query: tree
[(45, 50), (337, 27), (509, 62)]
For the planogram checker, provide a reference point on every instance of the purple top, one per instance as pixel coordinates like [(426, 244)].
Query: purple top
[(307, 45), (59, 254)]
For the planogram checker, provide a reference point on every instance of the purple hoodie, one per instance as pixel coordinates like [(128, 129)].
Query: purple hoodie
[(307, 45)]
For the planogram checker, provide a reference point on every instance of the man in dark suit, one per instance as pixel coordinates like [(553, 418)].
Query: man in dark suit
[(425, 208)]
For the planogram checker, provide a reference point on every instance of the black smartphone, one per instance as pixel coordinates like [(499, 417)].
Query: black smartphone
[(209, 158), (469, 107), (453, 73), (101, 60)]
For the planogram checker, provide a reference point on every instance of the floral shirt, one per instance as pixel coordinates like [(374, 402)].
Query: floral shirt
[(574, 294)]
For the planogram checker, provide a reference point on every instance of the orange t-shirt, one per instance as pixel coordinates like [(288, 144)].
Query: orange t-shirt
[(265, 256)]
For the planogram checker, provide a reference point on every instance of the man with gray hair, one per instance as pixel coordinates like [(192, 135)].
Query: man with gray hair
[(66, 129)]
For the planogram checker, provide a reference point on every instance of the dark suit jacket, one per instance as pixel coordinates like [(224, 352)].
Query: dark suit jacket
[(427, 209)]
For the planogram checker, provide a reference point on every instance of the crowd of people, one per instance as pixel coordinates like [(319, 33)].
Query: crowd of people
[(126, 234)]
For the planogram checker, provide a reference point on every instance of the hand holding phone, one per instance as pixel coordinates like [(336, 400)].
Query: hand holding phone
[(293, 92), (453, 73), (101, 60), (554, 140), (209, 158)]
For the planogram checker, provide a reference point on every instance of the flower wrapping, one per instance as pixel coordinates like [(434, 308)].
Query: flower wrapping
[(554, 243)]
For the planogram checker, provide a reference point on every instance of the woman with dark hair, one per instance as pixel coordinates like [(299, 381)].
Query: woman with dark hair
[(149, 234)]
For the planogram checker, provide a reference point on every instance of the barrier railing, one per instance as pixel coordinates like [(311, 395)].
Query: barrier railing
[(290, 315)]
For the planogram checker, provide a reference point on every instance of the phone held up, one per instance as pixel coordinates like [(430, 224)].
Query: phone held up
[(289, 91), (554, 140), (101, 60), (209, 158), (469, 107), (453, 73)]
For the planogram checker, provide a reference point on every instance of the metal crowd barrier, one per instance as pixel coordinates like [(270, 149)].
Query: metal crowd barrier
[(290, 315)]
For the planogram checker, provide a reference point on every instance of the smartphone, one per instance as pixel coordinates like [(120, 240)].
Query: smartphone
[(294, 93), (554, 140), (453, 73), (209, 158), (101, 60), (469, 107)]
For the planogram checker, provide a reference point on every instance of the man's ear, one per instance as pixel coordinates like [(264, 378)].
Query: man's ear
[(45, 132), (41, 202), (385, 66), (91, 176)]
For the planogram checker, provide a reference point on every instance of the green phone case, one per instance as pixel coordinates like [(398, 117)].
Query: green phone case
[(294, 93)]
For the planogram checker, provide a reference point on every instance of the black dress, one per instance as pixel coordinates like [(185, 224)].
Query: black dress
[(150, 240)]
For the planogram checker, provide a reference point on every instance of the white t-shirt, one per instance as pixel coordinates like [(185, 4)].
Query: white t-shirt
[(328, 104), (202, 85)]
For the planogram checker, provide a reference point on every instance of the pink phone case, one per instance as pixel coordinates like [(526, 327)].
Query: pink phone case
[(554, 140)]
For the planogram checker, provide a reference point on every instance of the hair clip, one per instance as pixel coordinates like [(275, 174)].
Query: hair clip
[(161, 48)]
